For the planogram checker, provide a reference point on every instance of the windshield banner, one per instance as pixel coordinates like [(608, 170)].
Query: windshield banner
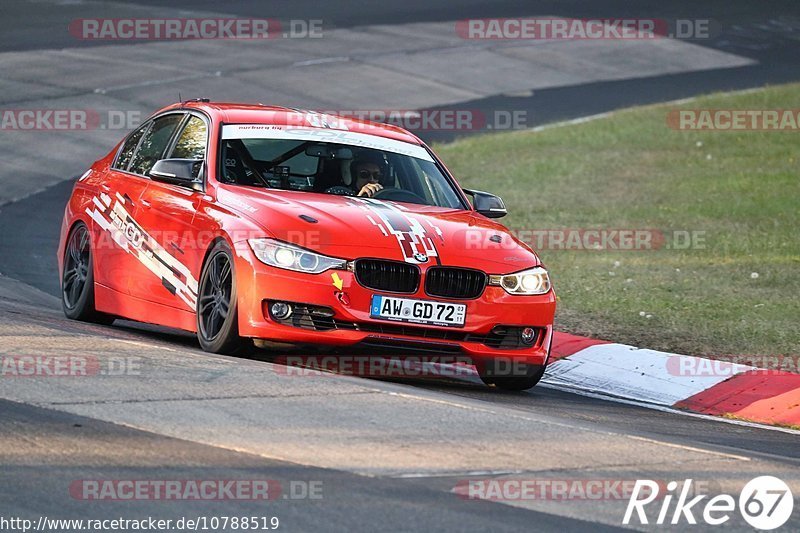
[(350, 138)]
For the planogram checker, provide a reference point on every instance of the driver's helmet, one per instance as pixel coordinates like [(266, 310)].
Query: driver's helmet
[(366, 156)]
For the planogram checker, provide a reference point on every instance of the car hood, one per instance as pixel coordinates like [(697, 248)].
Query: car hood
[(349, 227)]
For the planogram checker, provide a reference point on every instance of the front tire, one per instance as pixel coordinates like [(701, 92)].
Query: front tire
[(77, 280), (217, 312)]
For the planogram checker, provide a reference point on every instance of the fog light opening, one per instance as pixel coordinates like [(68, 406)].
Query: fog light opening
[(281, 310), (528, 335)]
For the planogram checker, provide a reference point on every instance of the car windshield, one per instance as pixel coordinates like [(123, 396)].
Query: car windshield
[(303, 159)]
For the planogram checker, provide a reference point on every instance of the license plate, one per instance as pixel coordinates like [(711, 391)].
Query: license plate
[(418, 311)]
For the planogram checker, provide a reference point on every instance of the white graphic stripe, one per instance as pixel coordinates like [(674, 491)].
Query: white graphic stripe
[(414, 240), (129, 236)]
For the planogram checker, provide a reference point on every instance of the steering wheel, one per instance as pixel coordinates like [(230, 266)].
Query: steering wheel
[(340, 190), (399, 195)]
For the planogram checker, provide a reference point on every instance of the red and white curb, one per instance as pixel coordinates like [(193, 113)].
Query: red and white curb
[(676, 381)]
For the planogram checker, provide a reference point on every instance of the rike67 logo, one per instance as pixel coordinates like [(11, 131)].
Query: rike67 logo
[(765, 503)]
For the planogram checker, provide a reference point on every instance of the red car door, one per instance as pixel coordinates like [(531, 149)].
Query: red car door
[(112, 210), (123, 256), (167, 213)]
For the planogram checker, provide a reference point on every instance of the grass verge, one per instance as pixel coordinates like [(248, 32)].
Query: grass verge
[(736, 290)]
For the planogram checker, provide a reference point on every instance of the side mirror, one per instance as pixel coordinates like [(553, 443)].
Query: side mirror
[(183, 172), (487, 204)]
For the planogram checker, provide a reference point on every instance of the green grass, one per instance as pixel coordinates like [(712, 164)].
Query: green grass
[(742, 189)]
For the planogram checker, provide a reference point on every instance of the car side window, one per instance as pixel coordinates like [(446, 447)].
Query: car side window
[(154, 142), (191, 143), (126, 154)]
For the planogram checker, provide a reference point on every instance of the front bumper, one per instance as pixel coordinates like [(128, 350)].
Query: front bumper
[(351, 324)]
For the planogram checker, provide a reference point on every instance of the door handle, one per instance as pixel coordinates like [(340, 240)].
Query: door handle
[(144, 203)]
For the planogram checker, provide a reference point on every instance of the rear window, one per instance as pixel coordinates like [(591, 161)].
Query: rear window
[(191, 143), (154, 143), (126, 154)]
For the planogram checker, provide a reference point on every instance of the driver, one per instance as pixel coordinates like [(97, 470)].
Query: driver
[(367, 173)]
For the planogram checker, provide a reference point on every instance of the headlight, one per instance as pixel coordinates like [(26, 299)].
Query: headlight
[(284, 255), (532, 281)]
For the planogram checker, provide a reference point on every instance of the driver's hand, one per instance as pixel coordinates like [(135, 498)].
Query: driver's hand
[(370, 189)]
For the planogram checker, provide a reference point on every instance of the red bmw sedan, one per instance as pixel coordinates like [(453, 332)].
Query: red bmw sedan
[(242, 222)]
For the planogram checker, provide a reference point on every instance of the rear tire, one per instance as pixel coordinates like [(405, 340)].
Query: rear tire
[(77, 279), (217, 312)]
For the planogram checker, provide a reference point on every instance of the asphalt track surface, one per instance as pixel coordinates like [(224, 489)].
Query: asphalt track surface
[(765, 33), (106, 431), (353, 502)]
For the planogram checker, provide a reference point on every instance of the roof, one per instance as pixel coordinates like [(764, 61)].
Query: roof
[(238, 113)]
